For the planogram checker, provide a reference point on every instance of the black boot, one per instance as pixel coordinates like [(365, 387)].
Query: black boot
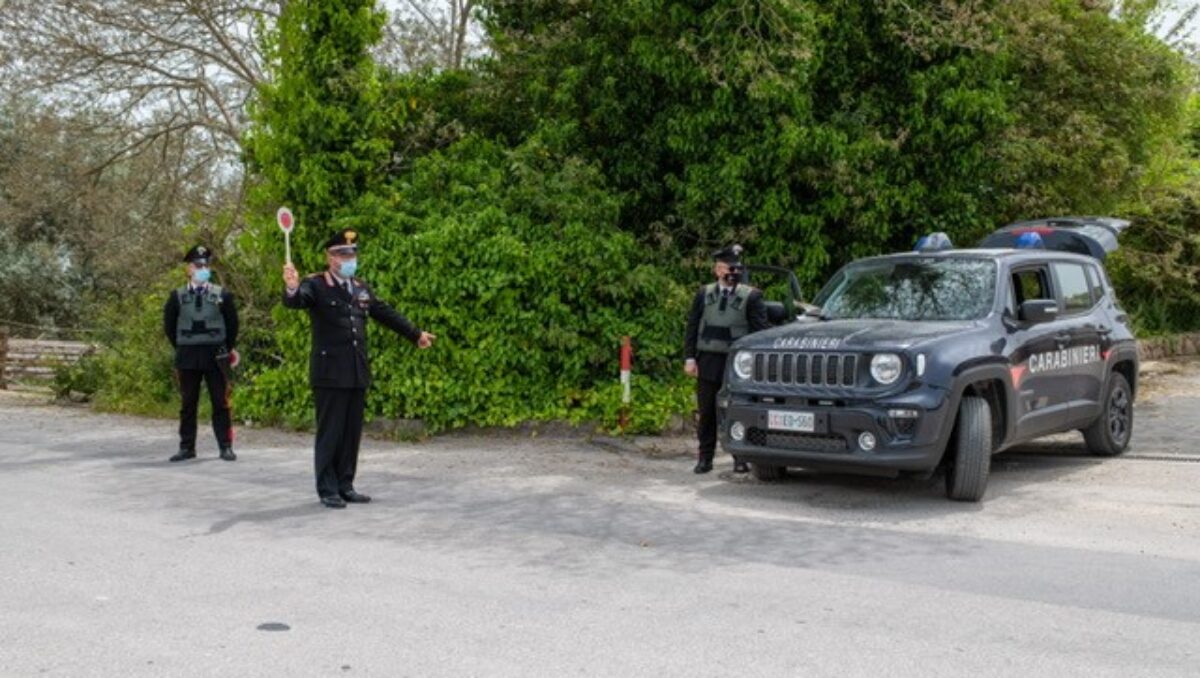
[(227, 453), (184, 453), (703, 464)]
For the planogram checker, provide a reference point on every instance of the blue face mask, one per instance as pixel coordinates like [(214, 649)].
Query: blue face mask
[(347, 268), (201, 276)]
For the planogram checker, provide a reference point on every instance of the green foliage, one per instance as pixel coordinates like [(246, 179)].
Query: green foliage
[(513, 259), (1095, 100), (80, 380), (1157, 270), (819, 132), (137, 364), (810, 130), (535, 209), (655, 402), (38, 286), (318, 142)]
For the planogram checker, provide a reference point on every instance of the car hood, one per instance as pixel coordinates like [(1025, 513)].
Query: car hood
[(837, 335)]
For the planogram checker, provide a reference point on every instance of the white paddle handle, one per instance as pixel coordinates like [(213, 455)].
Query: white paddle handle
[(287, 244)]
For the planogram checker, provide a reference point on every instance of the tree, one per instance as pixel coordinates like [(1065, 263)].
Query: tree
[(75, 238), (158, 68), (318, 142), (809, 128), (435, 34)]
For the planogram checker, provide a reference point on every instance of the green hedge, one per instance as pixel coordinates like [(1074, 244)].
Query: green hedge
[(513, 258)]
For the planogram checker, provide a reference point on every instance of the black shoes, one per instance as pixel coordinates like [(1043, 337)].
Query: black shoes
[(340, 500), (183, 454), (704, 465), (333, 501)]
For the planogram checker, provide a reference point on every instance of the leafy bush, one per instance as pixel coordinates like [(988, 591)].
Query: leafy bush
[(513, 259), (137, 364), (1157, 269), (80, 380)]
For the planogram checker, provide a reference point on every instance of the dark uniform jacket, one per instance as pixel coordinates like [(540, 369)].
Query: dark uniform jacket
[(339, 357), (200, 357), (712, 365)]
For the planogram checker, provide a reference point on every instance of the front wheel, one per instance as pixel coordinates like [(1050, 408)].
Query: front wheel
[(971, 456), (1109, 435)]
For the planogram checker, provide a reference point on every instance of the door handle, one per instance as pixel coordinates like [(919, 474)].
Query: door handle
[(1104, 331)]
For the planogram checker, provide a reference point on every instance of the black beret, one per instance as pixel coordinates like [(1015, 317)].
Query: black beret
[(198, 255), (343, 238), (730, 255)]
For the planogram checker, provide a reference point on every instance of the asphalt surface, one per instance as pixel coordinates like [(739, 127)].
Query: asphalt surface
[(510, 556)]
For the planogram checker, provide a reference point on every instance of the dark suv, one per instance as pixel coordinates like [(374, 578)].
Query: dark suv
[(942, 357)]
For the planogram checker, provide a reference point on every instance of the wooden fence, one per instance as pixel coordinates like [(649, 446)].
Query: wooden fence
[(32, 361)]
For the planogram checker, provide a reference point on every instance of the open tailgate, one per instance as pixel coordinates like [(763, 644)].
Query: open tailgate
[(1095, 236)]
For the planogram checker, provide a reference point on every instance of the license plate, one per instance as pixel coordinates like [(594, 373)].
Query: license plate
[(782, 420)]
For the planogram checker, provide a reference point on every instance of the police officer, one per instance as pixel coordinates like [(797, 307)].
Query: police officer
[(339, 305), (200, 320), (722, 312)]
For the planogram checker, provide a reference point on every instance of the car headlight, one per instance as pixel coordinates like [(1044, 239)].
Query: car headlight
[(743, 364), (886, 368)]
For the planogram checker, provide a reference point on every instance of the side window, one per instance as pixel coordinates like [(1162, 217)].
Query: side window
[(1075, 287), (1095, 282), (1030, 284)]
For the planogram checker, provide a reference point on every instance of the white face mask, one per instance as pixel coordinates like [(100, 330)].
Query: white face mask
[(201, 275)]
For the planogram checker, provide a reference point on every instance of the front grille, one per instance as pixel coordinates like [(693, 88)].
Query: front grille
[(806, 442), (806, 369)]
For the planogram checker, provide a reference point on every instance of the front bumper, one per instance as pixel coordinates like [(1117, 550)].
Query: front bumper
[(902, 443)]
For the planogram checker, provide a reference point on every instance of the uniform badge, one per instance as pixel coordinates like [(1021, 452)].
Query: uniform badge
[(364, 298)]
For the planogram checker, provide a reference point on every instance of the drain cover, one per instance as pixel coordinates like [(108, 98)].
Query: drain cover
[(274, 626)]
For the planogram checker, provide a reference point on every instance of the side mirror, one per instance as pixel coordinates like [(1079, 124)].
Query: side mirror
[(1038, 311)]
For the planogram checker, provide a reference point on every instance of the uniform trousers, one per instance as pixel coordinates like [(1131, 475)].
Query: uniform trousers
[(706, 405), (339, 430), (218, 395)]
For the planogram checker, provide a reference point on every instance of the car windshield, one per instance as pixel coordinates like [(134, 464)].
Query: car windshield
[(911, 289)]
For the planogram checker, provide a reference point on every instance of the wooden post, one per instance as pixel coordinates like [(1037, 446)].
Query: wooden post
[(3, 354)]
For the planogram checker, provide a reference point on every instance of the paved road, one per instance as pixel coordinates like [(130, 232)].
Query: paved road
[(520, 557)]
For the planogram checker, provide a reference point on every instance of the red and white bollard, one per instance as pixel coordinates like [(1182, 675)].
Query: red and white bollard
[(626, 369)]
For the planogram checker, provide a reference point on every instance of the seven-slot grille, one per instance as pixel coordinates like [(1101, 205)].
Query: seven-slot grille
[(812, 369)]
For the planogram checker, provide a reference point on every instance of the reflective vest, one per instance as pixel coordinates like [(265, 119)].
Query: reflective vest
[(722, 324), (200, 320)]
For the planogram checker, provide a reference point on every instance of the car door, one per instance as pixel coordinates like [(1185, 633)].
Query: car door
[(1041, 387), (1082, 363)]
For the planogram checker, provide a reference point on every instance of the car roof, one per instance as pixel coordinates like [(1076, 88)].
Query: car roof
[(999, 255)]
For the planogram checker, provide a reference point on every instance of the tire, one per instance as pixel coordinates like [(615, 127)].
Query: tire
[(1109, 435), (765, 472), (971, 455)]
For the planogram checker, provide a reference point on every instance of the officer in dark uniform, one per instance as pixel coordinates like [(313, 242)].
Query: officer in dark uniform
[(339, 306), (722, 312), (200, 320)]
